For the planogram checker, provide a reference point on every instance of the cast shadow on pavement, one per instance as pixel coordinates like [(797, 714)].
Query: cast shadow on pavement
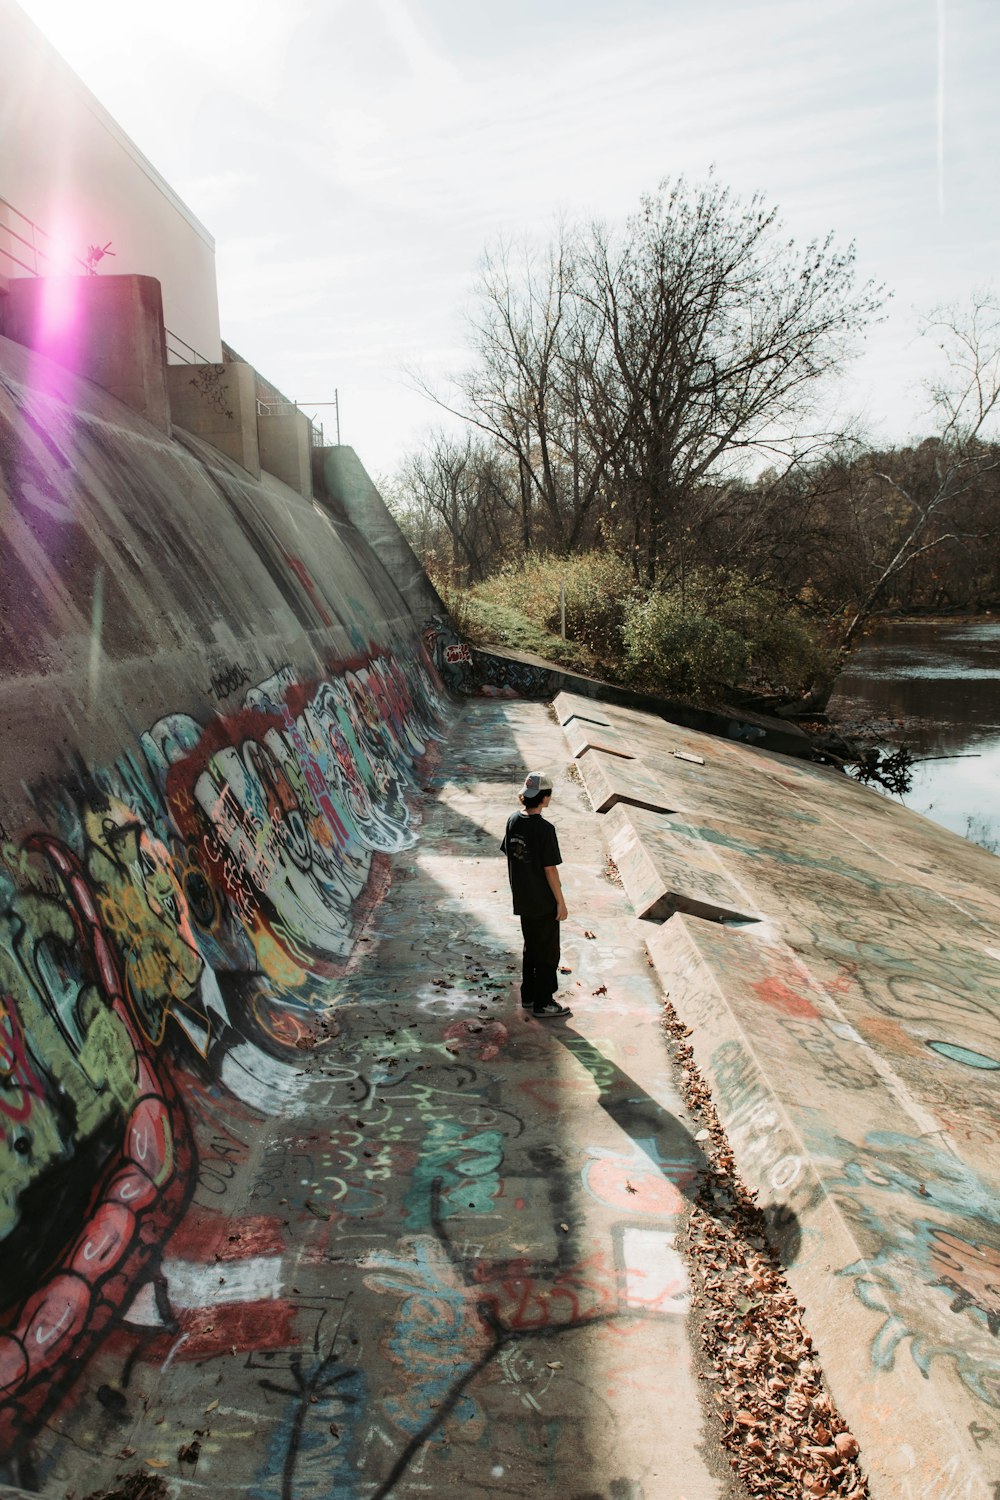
[(666, 1142)]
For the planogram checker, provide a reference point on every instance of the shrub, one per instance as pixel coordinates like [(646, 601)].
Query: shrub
[(717, 632), (721, 631), (784, 654), (670, 651), (487, 624), (597, 585)]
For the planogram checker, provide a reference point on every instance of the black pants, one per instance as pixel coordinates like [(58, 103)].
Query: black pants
[(539, 980)]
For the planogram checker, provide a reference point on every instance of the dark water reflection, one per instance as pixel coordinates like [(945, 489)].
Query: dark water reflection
[(937, 686)]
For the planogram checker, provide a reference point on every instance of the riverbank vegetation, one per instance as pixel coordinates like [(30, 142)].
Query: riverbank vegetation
[(646, 441)]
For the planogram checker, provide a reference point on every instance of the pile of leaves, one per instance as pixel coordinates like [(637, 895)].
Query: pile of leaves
[(784, 1434), (138, 1485)]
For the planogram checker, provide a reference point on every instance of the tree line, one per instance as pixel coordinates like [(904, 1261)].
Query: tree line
[(656, 389)]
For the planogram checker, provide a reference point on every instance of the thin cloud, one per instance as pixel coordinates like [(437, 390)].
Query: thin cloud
[(351, 161)]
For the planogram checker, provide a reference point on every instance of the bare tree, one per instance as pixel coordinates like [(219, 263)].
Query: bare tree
[(720, 335), (621, 370), (532, 387), (457, 502), (924, 501)]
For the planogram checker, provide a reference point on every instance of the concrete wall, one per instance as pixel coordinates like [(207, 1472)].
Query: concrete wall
[(218, 402), (213, 704), (108, 328), (285, 445), (345, 480), (66, 165)]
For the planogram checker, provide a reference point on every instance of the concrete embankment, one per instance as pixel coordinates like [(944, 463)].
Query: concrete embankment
[(451, 1264), (215, 707), (294, 1199), (837, 959)]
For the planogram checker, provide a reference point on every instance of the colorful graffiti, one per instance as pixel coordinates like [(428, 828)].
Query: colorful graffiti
[(163, 932), (930, 1232), (507, 677)]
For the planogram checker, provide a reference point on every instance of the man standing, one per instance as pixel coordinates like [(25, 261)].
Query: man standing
[(533, 861)]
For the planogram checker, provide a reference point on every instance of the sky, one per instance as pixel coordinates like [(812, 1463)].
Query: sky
[(353, 161)]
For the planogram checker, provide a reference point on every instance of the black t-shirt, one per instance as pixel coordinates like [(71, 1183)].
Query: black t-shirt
[(530, 845)]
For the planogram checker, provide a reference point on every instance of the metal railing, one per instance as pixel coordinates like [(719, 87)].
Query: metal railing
[(31, 255), (335, 403), (180, 357), (31, 240), (25, 243), (288, 409)]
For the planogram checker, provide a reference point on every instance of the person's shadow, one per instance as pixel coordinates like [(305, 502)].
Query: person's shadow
[(669, 1146)]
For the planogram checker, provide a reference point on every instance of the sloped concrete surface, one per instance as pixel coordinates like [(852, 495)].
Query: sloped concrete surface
[(609, 779), (452, 1266), (663, 873), (453, 1263), (583, 736), (852, 1041)]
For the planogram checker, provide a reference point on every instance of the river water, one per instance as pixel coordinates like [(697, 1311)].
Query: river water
[(935, 686)]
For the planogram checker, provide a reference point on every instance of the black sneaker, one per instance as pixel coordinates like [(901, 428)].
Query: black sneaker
[(551, 1011)]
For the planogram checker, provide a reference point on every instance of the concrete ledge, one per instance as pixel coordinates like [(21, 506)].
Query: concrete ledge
[(661, 875), (609, 779), (108, 329), (831, 1176), (218, 403), (582, 736), (534, 677), (285, 444), (573, 706)]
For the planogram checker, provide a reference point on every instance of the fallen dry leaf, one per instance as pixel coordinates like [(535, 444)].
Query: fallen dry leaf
[(775, 1416)]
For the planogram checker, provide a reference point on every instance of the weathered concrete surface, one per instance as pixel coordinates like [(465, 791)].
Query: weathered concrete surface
[(583, 736), (106, 328), (611, 779), (852, 1040), (347, 482), (663, 874), (284, 442), (218, 403), (450, 1267), (217, 708), (214, 706)]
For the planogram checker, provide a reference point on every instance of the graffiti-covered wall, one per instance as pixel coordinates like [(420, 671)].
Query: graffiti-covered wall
[(214, 707)]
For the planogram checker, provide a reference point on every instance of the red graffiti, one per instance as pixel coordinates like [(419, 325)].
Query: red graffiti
[(519, 1301), (47, 1339), (19, 1082), (302, 573), (775, 993)]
